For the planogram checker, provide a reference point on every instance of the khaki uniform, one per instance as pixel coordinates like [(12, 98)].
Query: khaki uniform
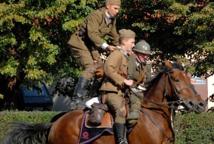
[(86, 42), (115, 69), (136, 72)]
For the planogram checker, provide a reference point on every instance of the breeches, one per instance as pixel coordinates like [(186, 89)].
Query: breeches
[(83, 56), (135, 103), (116, 103)]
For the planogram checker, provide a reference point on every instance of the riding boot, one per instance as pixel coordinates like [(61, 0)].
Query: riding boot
[(80, 92), (120, 133), (94, 89)]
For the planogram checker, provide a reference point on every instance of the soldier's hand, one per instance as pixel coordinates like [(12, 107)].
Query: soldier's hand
[(111, 48), (128, 82), (130, 52)]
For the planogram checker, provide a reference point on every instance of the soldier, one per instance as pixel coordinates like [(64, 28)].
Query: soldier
[(115, 69), (137, 71), (87, 42)]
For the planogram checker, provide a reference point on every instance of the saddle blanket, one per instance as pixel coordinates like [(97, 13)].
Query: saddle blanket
[(89, 133)]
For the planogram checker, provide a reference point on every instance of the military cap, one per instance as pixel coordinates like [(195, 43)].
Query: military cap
[(113, 2), (126, 33)]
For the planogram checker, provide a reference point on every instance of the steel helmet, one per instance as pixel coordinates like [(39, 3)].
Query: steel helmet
[(142, 47)]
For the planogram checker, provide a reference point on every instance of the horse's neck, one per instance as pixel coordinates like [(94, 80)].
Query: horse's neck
[(156, 91), (156, 108), (155, 97)]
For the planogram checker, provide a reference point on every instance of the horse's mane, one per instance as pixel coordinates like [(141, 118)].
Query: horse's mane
[(163, 69), (154, 80)]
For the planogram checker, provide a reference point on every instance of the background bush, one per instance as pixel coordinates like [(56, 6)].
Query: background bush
[(194, 128), (189, 128)]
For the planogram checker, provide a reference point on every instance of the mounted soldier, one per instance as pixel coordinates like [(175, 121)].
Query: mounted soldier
[(137, 71), (88, 42), (115, 82)]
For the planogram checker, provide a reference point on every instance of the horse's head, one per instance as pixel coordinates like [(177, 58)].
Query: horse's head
[(181, 89)]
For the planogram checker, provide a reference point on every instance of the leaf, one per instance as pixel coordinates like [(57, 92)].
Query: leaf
[(1, 96)]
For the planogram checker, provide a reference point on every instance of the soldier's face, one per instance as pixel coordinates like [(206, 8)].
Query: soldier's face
[(142, 57), (113, 10), (128, 44)]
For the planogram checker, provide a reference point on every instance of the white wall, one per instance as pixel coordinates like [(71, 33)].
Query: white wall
[(210, 89)]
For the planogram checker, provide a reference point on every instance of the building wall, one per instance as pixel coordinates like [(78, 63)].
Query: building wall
[(204, 87), (200, 86), (210, 89)]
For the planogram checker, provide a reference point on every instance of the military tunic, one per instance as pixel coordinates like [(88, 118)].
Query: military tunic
[(136, 72), (115, 69), (86, 42)]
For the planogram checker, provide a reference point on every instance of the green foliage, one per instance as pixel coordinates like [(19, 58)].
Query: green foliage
[(194, 128), (9, 67), (1, 96), (175, 27), (34, 35)]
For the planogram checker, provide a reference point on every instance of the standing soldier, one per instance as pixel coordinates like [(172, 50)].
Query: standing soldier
[(113, 87), (137, 71), (87, 42)]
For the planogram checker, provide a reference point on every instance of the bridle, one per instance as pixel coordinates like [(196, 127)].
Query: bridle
[(177, 93)]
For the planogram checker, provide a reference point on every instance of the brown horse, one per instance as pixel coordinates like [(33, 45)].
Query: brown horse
[(168, 89)]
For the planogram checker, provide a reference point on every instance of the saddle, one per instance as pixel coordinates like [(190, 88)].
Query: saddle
[(106, 121), (98, 115), (96, 121), (89, 132)]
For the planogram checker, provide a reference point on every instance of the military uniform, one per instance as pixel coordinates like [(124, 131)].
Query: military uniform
[(139, 72), (136, 72), (115, 69), (86, 42)]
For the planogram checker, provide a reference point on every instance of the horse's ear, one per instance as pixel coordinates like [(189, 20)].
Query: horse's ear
[(168, 64)]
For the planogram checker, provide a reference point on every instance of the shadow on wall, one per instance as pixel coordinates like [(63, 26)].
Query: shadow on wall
[(62, 94)]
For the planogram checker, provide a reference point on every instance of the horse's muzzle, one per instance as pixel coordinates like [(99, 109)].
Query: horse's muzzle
[(195, 106)]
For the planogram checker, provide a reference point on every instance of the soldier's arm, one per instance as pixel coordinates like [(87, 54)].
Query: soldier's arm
[(114, 34), (93, 25), (131, 67)]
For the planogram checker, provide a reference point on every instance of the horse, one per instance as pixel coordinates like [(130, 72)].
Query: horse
[(170, 88)]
